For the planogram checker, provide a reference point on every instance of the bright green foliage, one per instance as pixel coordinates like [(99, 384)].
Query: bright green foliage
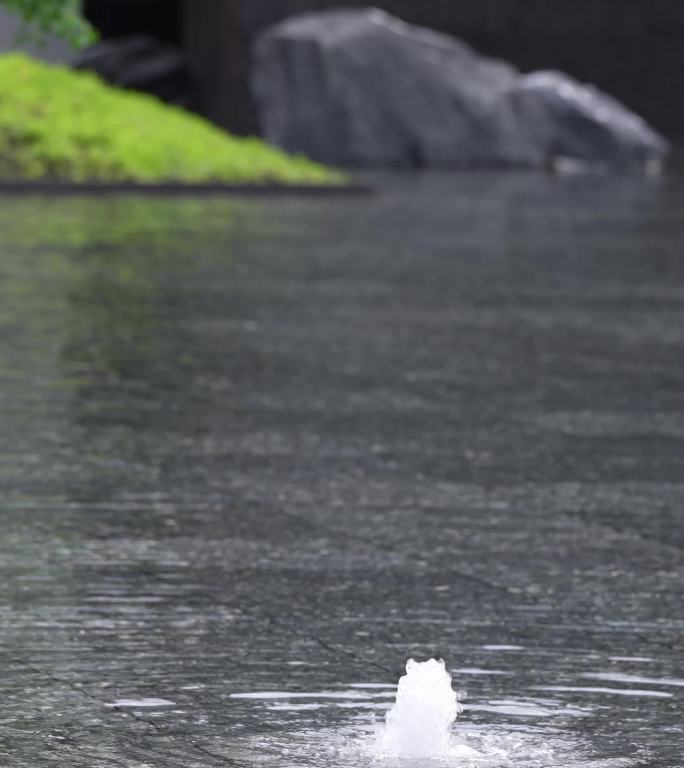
[(57, 17), (65, 125)]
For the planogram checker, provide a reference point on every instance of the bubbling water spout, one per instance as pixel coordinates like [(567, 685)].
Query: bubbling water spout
[(419, 724)]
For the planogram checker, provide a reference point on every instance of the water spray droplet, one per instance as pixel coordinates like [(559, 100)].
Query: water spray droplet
[(419, 724)]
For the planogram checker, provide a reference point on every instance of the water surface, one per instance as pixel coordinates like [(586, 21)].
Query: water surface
[(255, 454)]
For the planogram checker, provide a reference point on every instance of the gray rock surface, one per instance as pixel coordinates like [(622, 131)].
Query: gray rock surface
[(361, 88)]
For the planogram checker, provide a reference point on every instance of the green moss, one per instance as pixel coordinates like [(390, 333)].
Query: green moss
[(60, 124)]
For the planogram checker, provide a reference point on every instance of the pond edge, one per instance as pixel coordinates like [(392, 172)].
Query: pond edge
[(23, 187)]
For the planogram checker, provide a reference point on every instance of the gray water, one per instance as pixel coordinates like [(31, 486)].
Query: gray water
[(254, 454)]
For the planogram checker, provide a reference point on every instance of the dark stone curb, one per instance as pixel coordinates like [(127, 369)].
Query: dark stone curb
[(179, 189)]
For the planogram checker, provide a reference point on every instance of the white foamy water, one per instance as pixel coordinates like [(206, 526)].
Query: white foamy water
[(418, 731), (419, 724)]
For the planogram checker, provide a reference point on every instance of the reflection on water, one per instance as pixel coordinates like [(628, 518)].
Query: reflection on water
[(255, 454), (610, 691)]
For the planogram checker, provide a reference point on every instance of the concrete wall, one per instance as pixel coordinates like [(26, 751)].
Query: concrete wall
[(54, 50)]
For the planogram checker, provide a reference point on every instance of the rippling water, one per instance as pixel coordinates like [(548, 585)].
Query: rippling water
[(511, 727), (255, 454)]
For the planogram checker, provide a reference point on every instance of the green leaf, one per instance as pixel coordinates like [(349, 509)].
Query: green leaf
[(62, 18)]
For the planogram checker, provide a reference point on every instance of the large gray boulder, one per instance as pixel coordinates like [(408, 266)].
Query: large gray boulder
[(361, 88)]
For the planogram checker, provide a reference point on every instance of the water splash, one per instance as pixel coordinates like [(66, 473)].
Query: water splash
[(419, 724)]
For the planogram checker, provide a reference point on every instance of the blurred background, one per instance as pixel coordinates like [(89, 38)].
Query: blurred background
[(629, 48)]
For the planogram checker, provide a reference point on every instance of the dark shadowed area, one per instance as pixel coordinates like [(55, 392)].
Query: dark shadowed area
[(255, 454)]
